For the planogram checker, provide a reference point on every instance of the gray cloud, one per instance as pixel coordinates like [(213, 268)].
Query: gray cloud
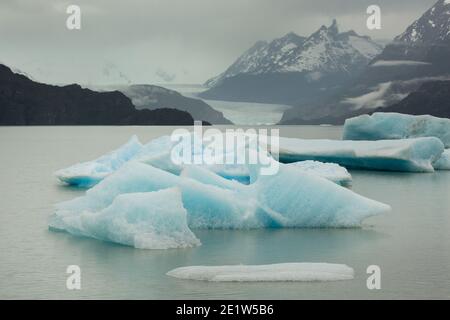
[(193, 39)]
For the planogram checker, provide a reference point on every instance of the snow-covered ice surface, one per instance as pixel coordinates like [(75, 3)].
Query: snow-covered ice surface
[(413, 155), (150, 220), (87, 174), (270, 272), (444, 162), (381, 126), (330, 171)]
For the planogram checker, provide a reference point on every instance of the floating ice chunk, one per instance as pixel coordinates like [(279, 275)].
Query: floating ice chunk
[(208, 206), (330, 171), (270, 272), (444, 161), (130, 178), (293, 198), (381, 126), (87, 174), (151, 220), (415, 155)]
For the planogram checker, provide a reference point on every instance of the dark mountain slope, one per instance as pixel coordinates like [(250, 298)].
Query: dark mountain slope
[(25, 102)]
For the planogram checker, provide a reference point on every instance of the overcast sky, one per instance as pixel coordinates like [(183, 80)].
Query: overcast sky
[(187, 40)]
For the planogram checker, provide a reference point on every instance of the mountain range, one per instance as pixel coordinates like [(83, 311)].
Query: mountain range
[(294, 69), (417, 56), (331, 75)]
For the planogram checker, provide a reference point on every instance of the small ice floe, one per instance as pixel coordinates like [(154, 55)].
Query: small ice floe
[(305, 272)]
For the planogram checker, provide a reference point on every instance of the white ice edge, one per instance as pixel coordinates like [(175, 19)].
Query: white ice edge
[(303, 272)]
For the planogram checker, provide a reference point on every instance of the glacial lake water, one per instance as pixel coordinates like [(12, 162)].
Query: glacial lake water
[(411, 244)]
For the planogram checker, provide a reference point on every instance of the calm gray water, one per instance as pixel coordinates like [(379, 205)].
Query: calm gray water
[(411, 244)]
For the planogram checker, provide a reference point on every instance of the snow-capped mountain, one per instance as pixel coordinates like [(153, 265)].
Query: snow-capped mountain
[(325, 51), (417, 56), (426, 40), (432, 27)]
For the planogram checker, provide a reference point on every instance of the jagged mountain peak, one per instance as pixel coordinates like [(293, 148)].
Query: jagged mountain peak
[(325, 32), (326, 50), (432, 27), (290, 37)]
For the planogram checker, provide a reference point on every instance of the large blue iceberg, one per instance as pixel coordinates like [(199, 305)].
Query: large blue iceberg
[(381, 126), (413, 155), (114, 209)]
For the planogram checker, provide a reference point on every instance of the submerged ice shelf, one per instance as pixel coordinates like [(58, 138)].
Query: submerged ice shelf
[(380, 126), (412, 155), (270, 272)]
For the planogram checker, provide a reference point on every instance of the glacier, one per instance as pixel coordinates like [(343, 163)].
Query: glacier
[(387, 126), (411, 155), (87, 174), (267, 273), (113, 209), (443, 163)]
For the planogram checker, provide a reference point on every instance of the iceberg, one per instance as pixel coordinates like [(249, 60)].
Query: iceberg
[(290, 198), (411, 155), (330, 171), (270, 272), (444, 161), (387, 126), (208, 206), (87, 174), (160, 152), (293, 198), (150, 220)]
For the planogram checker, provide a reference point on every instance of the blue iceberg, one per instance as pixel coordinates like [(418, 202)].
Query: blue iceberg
[(114, 209), (329, 171), (412, 155), (87, 174), (444, 161), (150, 220), (159, 153), (293, 198), (383, 126)]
